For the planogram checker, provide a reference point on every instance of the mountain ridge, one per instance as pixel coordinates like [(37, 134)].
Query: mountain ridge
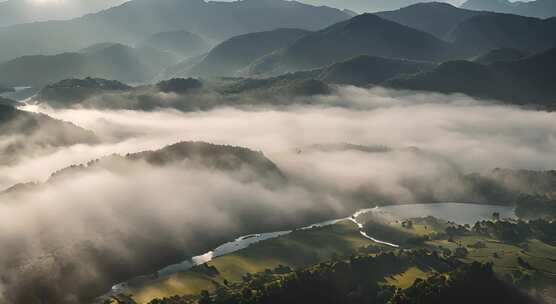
[(214, 20)]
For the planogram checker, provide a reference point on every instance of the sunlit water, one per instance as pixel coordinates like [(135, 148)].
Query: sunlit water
[(454, 212)]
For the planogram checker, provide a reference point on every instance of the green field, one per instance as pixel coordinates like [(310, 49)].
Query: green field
[(304, 248), (301, 248)]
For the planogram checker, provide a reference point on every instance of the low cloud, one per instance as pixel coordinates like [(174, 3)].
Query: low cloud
[(72, 239)]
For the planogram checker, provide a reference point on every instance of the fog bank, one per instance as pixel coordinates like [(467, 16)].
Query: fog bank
[(74, 237)]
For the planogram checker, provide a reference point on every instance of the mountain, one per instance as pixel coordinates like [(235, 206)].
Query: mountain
[(537, 8), (181, 69), (219, 157), (362, 35), (436, 18), (227, 58), (500, 55), (25, 134), (194, 94), (365, 70), (490, 31), (214, 20), (77, 90), (182, 43), (366, 6), (252, 165), (7, 102), (5, 89), (276, 90), (528, 81), (112, 61)]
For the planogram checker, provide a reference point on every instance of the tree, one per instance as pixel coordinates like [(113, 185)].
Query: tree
[(205, 297)]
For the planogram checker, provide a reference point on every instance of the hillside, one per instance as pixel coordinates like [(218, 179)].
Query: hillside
[(181, 43), (112, 61), (362, 35), (365, 70), (26, 134), (213, 20), (435, 18), (70, 91), (441, 262), (5, 89), (248, 165), (191, 93), (486, 32), (536, 8), (7, 102), (219, 157), (500, 55), (528, 81), (227, 58)]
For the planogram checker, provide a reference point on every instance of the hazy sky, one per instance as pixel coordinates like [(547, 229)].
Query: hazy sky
[(21, 11)]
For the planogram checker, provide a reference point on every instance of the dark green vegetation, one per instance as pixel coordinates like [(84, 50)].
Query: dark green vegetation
[(537, 8), (179, 85), (25, 134), (224, 158), (448, 263), (229, 57), (366, 70), (111, 61), (500, 55), (473, 283), (536, 205), (207, 93), (212, 20), (189, 94), (181, 43), (300, 249), (194, 94), (528, 81), (77, 90)]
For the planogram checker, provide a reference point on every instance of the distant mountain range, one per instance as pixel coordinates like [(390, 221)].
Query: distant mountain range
[(106, 60), (436, 18), (459, 34), (477, 32), (537, 8), (227, 58), (486, 32), (365, 34), (527, 81), (136, 20), (370, 6)]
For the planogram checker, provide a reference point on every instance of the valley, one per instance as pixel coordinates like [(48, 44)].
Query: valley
[(276, 151)]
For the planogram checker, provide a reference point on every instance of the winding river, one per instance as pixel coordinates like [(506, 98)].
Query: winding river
[(456, 212)]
